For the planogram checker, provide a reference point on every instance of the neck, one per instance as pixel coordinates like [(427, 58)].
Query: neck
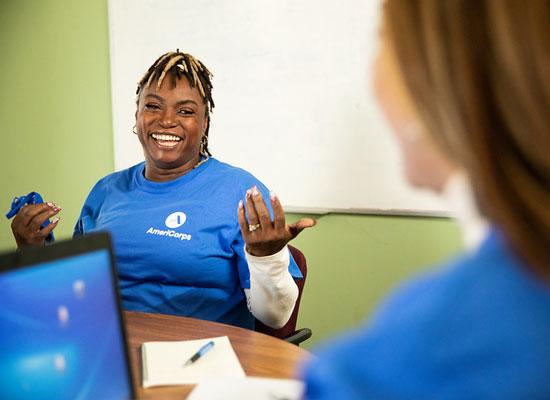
[(157, 174)]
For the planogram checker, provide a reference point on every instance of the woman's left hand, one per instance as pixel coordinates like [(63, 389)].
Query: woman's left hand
[(264, 237)]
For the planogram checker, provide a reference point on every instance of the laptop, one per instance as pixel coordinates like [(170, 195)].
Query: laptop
[(61, 327)]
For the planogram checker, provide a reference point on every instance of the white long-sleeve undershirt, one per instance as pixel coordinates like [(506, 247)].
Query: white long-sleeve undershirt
[(273, 292)]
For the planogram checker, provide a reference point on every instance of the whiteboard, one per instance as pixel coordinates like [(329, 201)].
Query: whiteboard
[(293, 95)]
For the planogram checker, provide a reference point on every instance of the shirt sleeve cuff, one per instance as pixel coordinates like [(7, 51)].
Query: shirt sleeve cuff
[(277, 262)]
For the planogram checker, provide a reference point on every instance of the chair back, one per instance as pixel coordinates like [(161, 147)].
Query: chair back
[(290, 327)]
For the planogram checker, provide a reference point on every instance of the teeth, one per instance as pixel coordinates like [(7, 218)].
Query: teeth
[(170, 138), (167, 144)]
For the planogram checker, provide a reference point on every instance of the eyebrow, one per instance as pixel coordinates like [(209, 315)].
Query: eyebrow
[(181, 102)]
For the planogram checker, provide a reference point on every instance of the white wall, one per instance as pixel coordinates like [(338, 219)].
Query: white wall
[(294, 104)]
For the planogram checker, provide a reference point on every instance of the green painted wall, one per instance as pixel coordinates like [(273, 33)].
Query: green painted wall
[(55, 107), (354, 260), (55, 117)]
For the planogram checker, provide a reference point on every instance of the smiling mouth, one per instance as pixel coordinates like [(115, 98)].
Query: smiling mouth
[(166, 140)]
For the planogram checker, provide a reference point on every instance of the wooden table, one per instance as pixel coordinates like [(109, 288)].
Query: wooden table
[(259, 354)]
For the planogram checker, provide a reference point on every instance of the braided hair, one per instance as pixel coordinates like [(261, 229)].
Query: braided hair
[(176, 65)]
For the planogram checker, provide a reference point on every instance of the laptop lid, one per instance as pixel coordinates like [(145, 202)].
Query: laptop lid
[(61, 327)]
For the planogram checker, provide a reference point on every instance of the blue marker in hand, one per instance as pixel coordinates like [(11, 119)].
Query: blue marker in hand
[(201, 352)]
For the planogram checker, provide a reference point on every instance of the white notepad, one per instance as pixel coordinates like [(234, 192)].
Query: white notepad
[(251, 388), (163, 362)]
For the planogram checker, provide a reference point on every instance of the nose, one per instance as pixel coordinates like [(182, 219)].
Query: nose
[(167, 118)]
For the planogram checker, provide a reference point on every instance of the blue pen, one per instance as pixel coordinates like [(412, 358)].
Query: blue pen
[(201, 352)]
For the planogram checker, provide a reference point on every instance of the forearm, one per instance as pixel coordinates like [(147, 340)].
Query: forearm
[(273, 292)]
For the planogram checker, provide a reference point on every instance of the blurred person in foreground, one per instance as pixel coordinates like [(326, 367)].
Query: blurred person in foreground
[(474, 78)]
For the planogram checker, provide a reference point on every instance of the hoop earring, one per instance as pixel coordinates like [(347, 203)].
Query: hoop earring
[(134, 130)]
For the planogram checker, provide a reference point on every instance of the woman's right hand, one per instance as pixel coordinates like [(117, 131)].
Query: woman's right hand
[(26, 224)]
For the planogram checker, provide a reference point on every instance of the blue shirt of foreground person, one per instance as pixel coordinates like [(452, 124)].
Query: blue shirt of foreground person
[(479, 328)]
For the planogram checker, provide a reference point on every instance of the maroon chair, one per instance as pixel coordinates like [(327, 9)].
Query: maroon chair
[(289, 332)]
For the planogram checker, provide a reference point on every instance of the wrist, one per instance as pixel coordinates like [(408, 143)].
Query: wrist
[(259, 252), (264, 255)]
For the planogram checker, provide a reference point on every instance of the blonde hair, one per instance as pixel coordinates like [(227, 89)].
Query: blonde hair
[(479, 74)]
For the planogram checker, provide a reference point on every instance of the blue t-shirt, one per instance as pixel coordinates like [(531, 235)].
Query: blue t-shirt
[(178, 244), (479, 329)]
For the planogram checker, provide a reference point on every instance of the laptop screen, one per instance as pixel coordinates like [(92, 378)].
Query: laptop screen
[(60, 329)]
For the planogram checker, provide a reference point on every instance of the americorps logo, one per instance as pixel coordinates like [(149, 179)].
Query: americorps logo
[(173, 221)]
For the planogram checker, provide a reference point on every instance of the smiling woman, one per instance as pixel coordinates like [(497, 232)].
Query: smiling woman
[(193, 236), (170, 124), (173, 115)]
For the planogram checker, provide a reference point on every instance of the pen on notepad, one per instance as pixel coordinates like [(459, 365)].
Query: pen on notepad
[(201, 352)]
